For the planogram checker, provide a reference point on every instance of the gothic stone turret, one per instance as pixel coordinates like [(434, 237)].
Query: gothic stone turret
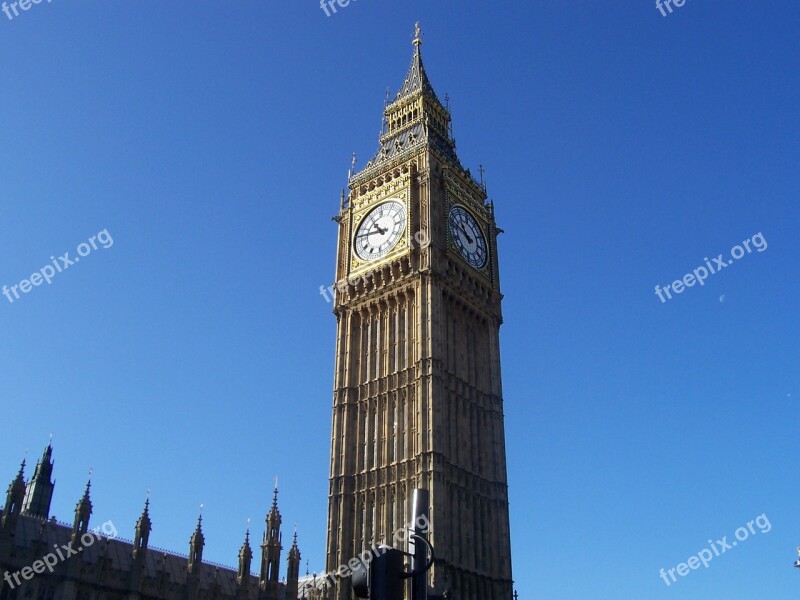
[(39, 491)]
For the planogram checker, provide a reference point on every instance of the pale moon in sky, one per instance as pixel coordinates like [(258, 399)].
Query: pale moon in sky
[(722, 298)]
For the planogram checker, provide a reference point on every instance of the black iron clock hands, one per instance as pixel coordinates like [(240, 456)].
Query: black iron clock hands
[(469, 239), (369, 233)]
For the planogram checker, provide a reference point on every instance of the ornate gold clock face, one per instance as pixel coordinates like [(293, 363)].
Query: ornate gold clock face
[(468, 237), (380, 230)]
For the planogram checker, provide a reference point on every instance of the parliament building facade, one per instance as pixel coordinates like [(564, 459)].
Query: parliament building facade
[(43, 559)]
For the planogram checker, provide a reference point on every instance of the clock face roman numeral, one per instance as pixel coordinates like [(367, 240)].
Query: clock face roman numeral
[(467, 237), (380, 231)]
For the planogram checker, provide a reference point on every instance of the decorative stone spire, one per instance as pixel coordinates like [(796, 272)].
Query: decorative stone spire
[(83, 510), (245, 560), (417, 79), (14, 499), (196, 544), (142, 534), (271, 546), (39, 491), (414, 120), (293, 568), (275, 499)]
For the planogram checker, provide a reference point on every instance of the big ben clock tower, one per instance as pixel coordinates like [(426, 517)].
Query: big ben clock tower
[(418, 396)]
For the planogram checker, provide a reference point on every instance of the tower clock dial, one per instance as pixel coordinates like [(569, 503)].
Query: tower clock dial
[(380, 230), (468, 237)]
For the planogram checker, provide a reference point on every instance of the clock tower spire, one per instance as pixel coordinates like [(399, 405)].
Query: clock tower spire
[(417, 397)]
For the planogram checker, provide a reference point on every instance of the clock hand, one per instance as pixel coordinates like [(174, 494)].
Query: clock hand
[(469, 239), (369, 233)]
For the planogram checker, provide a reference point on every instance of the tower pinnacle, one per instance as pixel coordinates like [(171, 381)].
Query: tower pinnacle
[(83, 511), (271, 546), (416, 119), (293, 568), (142, 533), (245, 559), (39, 490), (14, 497), (196, 544)]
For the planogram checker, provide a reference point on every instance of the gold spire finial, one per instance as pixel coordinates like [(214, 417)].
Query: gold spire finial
[(417, 35)]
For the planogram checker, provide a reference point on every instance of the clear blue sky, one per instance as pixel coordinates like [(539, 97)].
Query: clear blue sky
[(195, 355)]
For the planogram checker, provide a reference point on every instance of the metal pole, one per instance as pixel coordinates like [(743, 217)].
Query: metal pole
[(421, 518)]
